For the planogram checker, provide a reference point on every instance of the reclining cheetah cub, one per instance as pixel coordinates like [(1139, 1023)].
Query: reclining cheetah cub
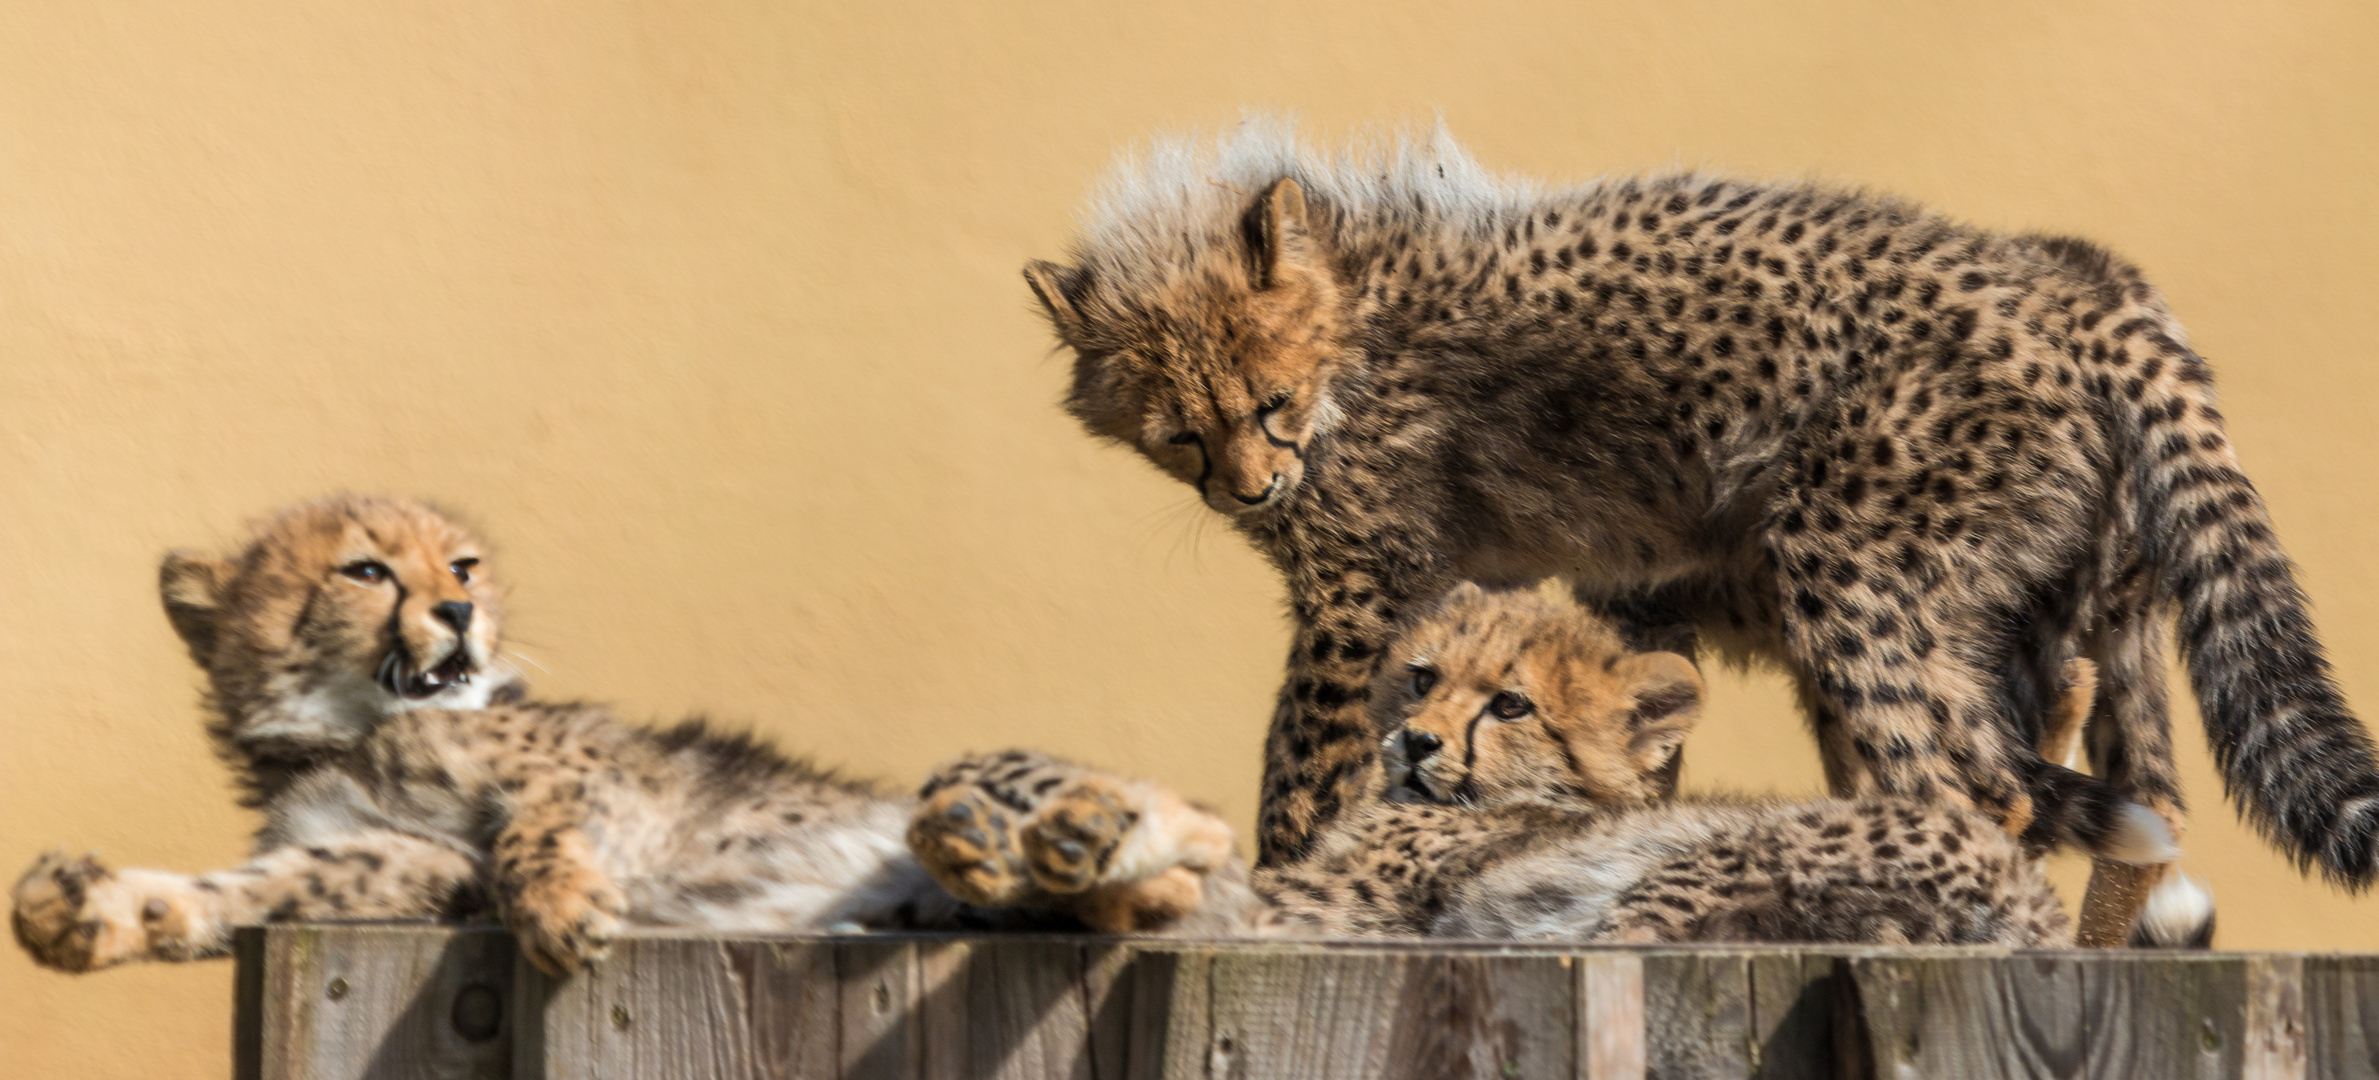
[(1524, 793), (352, 653)]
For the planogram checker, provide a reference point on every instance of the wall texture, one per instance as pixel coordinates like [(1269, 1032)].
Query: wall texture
[(709, 312)]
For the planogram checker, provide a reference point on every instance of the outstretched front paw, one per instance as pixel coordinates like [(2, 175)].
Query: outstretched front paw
[(567, 917), (74, 914)]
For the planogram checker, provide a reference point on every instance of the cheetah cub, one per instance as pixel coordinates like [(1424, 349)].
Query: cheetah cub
[(356, 682), (1915, 463), (1524, 791)]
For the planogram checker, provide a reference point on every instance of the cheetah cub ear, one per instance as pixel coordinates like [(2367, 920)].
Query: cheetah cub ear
[(1284, 244), (1667, 692), (1057, 287), (192, 587)]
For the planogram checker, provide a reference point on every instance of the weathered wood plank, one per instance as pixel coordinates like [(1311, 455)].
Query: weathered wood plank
[(656, 1008), (2275, 1018), (1005, 1009), (324, 1002), (1697, 1015), (793, 1001), (1110, 996), (1280, 1012), (1173, 1014), (1793, 1000), (691, 1009), (2061, 1015), (1610, 1000), (881, 1027), (2341, 1003)]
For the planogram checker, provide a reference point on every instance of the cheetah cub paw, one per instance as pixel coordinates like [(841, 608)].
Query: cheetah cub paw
[(1022, 829), (77, 915), (567, 918)]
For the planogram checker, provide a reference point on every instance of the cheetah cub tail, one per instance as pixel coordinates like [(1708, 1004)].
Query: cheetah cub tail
[(2179, 914)]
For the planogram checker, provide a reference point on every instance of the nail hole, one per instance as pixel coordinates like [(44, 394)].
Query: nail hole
[(337, 989), (478, 1012)]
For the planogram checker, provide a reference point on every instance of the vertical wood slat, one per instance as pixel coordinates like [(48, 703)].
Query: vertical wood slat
[(2341, 1013), (1794, 1000), (2072, 1014), (1004, 1010), (1610, 1002), (2275, 1019), (388, 1002), (1356, 1013), (1697, 1015), (879, 1030)]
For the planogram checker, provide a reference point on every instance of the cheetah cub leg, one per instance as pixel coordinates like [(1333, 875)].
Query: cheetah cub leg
[(2144, 906), (559, 895), (75, 914), (1022, 829), (559, 902)]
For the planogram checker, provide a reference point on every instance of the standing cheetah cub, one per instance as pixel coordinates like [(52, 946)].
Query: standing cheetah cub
[(1524, 792), (1916, 463), (353, 659)]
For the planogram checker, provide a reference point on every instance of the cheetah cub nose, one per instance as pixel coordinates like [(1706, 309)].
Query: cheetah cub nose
[(454, 613), (1419, 745)]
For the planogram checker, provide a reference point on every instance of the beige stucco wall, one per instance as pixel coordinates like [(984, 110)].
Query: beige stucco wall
[(709, 311)]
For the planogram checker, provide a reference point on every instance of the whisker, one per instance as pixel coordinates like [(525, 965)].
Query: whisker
[(1191, 522), (532, 661)]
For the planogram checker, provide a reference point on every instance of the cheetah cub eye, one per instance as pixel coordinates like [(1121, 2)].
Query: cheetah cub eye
[(1424, 680), (1510, 706), (367, 571)]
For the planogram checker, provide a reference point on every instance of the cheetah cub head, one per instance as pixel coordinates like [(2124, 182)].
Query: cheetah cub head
[(1524, 695), (1209, 350), (333, 615)]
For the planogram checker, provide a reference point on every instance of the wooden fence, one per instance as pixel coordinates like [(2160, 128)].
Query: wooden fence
[(329, 1002)]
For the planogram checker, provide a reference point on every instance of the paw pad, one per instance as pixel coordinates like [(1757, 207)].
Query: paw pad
[(968, 844), (1076, 837)]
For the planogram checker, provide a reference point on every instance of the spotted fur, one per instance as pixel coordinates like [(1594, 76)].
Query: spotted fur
[(356, 681), (1917, 463), (1523, 792)]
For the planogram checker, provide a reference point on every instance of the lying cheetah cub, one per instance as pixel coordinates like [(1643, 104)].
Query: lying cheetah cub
[(1524, 793), (352, 654)]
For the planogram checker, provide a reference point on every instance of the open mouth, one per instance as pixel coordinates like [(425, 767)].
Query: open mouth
[(451, 672)]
